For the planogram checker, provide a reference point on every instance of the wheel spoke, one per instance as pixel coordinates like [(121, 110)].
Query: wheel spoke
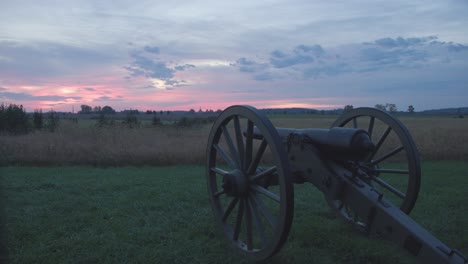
[(230, 144), (240, 214), (264, 173), (248, 221), (371, 127), (240, 142), (265, 211), (229, 209), (219, 171), (389, 187), (380, 142), (261, 150), (392, 171), (258, 221), (388, 155), (265, 192), (248, 144), (225, 156)]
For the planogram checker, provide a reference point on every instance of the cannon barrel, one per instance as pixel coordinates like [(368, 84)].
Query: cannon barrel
[(337, 142)]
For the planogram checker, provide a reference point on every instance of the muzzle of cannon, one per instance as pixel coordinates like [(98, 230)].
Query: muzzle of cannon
[(366, 165)]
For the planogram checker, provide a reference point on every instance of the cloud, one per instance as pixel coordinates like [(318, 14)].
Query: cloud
[(29, 97), (89, 89), (301, 54), (150, 68), (312, 61), (402, 42), (315, 50), (246, 65), (399, 57), (45, 60), (149, 49), (328, 70), (108, 98), (457, 47), (156, 68), (184, 67)]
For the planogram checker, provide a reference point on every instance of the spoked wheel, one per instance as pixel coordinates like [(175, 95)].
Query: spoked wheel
[(393, 167), (249, 183)]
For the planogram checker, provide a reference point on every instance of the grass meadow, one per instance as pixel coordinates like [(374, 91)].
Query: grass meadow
[(87, 214), (85, 194)]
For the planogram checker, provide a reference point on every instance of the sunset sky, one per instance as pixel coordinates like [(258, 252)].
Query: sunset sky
[(178, 55)]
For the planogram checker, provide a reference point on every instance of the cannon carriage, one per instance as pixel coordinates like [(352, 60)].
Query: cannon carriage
[(366, 165)]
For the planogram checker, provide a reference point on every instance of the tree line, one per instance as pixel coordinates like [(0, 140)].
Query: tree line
[(388, 107), (15, 120)]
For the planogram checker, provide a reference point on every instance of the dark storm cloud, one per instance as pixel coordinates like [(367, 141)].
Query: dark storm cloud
[(29, 97)]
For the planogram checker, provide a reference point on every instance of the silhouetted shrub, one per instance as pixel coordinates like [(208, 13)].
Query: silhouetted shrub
[(52, 121), (104, 121), (131, 120)]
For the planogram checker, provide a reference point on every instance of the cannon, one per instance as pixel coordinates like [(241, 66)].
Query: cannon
[(366, 165)]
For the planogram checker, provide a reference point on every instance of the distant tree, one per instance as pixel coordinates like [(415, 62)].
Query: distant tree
[(85, 109), (107, 110), (191, 111), (13, 119), (348, 108), (410, 109), (97, 109), (391, 108), (38, 119), (381, 107)]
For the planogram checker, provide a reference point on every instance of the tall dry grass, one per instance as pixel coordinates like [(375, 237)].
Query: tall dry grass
[(437, 138), (118, 145)]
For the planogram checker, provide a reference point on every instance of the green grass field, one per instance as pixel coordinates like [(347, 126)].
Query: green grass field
[(81, 214)]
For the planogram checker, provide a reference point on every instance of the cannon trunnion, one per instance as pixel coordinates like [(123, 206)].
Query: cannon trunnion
[(366, 165)]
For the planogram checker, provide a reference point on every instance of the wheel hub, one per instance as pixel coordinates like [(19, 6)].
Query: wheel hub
[(235, 183)]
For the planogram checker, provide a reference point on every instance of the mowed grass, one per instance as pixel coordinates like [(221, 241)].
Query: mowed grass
[(82, 214)]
